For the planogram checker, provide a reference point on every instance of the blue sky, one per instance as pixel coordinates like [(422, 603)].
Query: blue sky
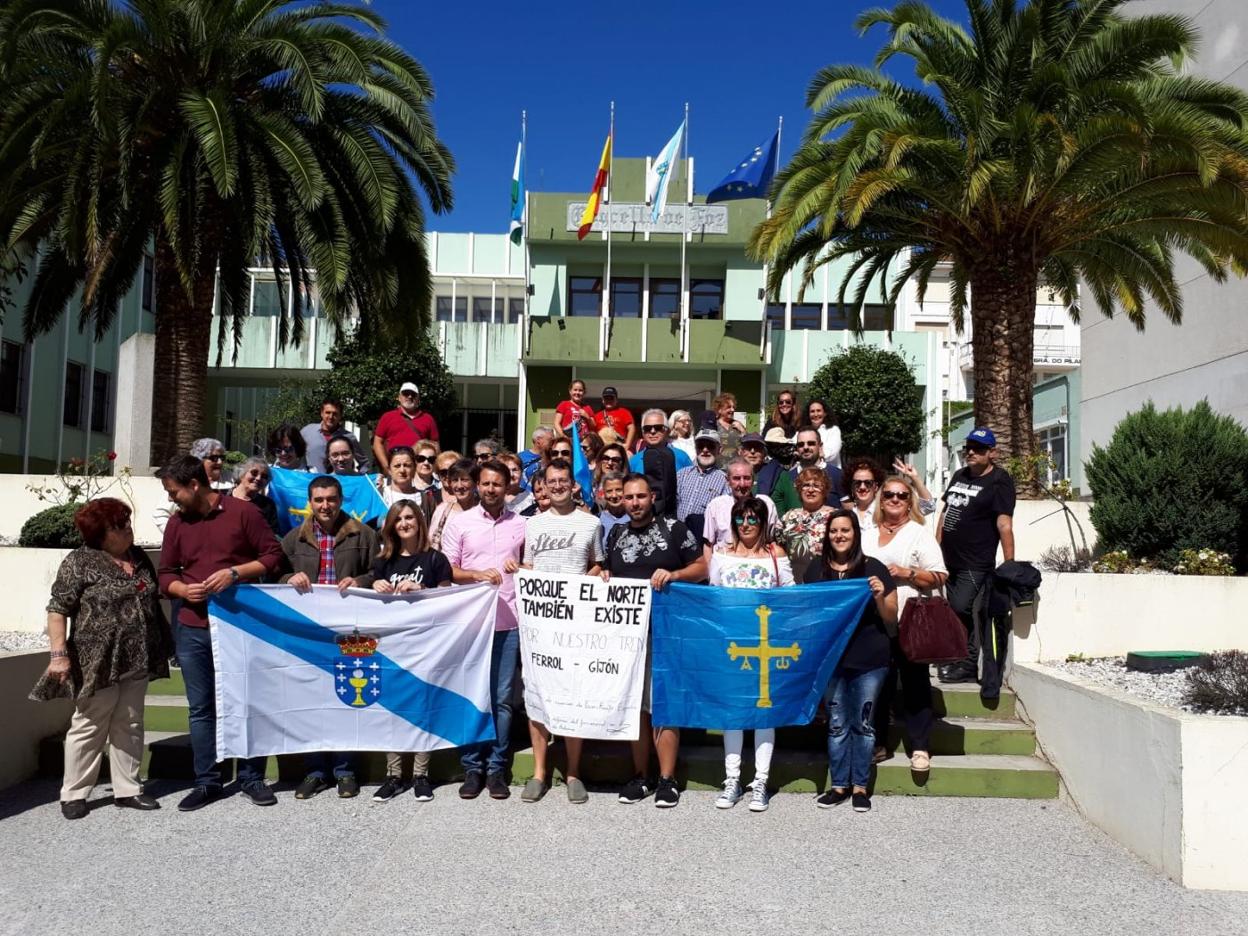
[(739, 65)]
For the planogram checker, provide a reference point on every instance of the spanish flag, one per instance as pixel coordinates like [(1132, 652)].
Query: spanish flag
[(595, 193)]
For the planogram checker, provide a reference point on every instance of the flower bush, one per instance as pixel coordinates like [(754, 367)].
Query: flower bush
[(1204, 562), (80, 480), (1117, 562)]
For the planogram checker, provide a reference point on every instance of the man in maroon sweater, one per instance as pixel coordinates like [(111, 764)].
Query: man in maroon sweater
[(211, 543)]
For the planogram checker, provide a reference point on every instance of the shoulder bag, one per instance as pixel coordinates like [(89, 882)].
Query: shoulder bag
[(930, 631)]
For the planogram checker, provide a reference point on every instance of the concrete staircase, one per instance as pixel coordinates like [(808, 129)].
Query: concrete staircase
[(977, 750)]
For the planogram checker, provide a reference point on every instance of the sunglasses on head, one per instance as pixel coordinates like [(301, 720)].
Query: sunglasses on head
[(895, 495), (747, 520)]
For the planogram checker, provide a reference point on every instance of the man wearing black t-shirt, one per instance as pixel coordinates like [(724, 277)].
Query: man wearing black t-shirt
[(978, 514), (662, 550)]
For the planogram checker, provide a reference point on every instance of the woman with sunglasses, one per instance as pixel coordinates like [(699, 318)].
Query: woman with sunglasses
[(752, 560), (785, 416), (286, 448), (401, 483), (819, 415), (426, 466), (611, 460), (463, 496), (865, 475), (253, 480), (902, 541), (441, 465), (863, 666)]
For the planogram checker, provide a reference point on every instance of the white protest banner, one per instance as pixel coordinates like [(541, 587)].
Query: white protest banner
[(583, 649)]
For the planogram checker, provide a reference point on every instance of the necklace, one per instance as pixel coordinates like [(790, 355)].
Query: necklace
[(892, 530)]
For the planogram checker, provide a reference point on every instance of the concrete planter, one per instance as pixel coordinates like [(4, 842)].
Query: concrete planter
[(29, 574), (1101, 615), (25, 723), (1166, 784)]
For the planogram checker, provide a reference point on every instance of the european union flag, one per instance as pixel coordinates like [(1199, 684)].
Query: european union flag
[(746, 657), (753, 175), (289, 490)]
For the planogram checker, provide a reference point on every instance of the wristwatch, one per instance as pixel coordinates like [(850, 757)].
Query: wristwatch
[(234, 574)]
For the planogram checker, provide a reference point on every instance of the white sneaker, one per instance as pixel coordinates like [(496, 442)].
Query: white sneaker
[(730, 796), (760, 799)]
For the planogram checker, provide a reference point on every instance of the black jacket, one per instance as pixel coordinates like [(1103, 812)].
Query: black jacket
[(1013, 584)]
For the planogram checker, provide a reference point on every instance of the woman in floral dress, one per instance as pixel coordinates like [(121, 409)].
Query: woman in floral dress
[(801, 529)]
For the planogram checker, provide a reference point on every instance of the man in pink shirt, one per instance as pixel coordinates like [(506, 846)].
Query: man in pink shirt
[(486, 544), (406, 424)]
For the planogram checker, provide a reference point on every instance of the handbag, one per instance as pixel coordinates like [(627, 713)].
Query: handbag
[(931, 632)]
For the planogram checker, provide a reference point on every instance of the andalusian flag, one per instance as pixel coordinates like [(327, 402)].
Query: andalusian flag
[(595, 193), (516, 231)]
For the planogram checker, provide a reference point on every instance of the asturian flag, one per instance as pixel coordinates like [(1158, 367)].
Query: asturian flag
[(362, 672), (516, 231), (659, 175), (748, 657), (289, 490), (753, 175)]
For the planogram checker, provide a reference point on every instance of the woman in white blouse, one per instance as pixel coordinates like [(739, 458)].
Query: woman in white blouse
[(752, 560), (900, 539)]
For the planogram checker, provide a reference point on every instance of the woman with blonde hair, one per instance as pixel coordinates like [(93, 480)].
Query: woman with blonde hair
[(407, 563), (680, 433)]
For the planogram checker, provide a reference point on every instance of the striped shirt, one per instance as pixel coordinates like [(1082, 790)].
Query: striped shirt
[(695, 489)]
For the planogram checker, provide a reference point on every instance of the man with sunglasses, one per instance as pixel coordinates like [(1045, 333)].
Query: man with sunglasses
[(978, 516), (700, 483), (810, 455), (615, 418), (406, 424), (658, 461)]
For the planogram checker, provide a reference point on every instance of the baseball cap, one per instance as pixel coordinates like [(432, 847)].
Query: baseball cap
[(609, 391), (982, 435), (410, 386), (752, 437), (706, 435)]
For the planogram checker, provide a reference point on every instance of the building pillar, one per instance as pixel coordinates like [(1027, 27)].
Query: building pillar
[(132, 434)]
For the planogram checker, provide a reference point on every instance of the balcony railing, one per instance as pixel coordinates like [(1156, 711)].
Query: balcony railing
[(1046, 356)]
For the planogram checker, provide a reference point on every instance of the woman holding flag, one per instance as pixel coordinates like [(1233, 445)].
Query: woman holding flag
[(751, 561)]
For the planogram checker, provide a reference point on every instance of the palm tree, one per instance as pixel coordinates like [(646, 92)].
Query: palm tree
[(1050, 143), (222, 134)]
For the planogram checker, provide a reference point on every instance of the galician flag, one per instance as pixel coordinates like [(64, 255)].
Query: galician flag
[(595, 193), (516, 231), (660, 174)]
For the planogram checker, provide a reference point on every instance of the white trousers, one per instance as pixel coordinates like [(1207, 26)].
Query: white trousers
[(764, 744), (113, 716)]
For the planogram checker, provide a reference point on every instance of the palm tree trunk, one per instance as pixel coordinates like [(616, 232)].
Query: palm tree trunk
[(1003, 313), (183, 340)]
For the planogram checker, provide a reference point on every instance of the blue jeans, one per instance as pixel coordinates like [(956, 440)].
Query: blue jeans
[(492, 756), (329, 763), (194, 646), (851, 732)]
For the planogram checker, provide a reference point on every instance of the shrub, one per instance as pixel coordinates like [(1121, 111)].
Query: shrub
[(1220, 684), (1065, 559), (52, 529), (1172, 480), (874, 398), (1117, 562), (1203, 562)]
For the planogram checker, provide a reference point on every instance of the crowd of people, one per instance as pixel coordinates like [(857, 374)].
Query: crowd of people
[(670, 499)]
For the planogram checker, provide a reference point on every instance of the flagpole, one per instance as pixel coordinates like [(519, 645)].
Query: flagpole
[(762, 343), (684, 236), (604, 328), (524, 231)]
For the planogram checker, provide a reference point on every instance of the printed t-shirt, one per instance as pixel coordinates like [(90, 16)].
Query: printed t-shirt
[(969, 536), (569, 542), (428, 569), (663, 543), (568, 411)]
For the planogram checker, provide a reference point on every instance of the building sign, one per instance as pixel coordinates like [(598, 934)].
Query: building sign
[(635, 219)]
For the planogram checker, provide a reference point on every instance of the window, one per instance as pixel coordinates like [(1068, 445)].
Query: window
[(665, 298), (626, 297), (838, 318), (266, 302), (775, 315), (706, 299), (585, 295), (515, 311), (443, 309), (12, 377), (874, 317), (1053, 441), (149, 282), (74, 374), (807, 316), (101, 389), (481, 309)]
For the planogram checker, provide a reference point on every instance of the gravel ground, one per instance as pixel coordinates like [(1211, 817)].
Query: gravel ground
[(1159, 688), (22, 640), (924, 865)]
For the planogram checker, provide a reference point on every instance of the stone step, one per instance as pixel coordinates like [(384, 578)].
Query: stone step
[(607, 764)]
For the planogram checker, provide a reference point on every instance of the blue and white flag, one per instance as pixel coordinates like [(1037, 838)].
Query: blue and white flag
[(362, 672), (659, 175), (752, 176), (747, 657), (289, 490), (580, 466)]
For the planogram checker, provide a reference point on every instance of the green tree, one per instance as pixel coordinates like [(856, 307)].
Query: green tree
[(365, 373), (874, 400), (225, 134), (1050, 142)]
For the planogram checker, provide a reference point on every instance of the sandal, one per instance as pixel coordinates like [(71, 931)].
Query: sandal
[(920, 762)]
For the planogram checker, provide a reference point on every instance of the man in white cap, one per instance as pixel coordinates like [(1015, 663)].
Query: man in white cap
[(406, 424)]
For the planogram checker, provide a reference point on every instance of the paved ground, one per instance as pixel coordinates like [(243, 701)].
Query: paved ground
[(919, 866)]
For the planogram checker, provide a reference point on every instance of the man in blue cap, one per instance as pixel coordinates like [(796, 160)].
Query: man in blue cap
[(978, 516)]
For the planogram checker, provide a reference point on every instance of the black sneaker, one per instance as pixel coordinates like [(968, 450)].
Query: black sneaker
[(474, 783), (311, 785), (388, 790), (75, 809), (831, 798), (667, 795), (348, 786), (635, 790), (198, 798), (862, 802), (496, 783), (422, 789), (258, 793)]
